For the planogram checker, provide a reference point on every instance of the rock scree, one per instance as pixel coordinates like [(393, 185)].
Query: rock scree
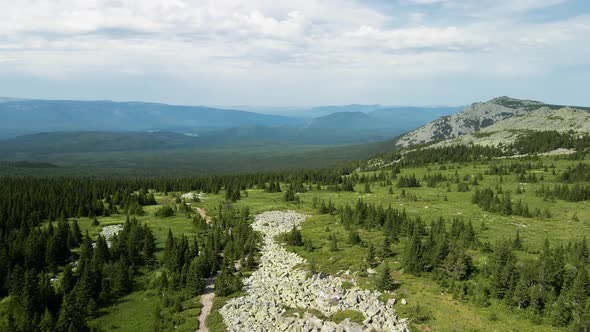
[(278, 285)]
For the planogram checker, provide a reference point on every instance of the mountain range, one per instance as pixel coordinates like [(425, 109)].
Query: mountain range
[(128, 138), (341, 124)]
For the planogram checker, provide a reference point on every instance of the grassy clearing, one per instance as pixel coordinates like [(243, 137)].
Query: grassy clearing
[(353, 315), (430, 308)]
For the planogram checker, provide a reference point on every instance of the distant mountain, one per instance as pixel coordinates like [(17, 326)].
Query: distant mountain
[(407, 118), (31, 116), (474, 118), (353, 108), (421, 112), (348, 120)]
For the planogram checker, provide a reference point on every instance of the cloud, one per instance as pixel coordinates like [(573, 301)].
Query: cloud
[(335, 44)]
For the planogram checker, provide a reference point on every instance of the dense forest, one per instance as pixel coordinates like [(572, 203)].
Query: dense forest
[(56, 277)]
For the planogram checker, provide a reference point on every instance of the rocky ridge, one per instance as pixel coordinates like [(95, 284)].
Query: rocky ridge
[(507, 131), (471, 119), (278, 284), (478, 117)]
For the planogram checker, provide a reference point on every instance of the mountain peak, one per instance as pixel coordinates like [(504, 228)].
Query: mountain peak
[(515, 103), (473, 118)]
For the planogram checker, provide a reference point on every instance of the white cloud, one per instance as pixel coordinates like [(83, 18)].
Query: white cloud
[(345, 41)]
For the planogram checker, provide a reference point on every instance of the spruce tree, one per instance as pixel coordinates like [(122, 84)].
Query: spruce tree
[(385, 282), (386, 248)]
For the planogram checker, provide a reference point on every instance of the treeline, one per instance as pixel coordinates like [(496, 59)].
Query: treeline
[(527, 143), (571, 193), (94, 278), (26, 201), (545, 141), (447, 154), (580, 172), (554, 288), (501, 202)]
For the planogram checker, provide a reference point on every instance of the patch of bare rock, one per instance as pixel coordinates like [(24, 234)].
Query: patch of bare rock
[(278, 284)]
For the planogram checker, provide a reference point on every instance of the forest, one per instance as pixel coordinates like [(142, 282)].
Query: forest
[(60, 270)]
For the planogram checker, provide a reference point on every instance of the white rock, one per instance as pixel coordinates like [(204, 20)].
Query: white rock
[(278, 284)]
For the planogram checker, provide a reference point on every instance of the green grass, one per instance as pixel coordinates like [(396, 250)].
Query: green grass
[(215, 320), (134, 312), (353, 315), (440, 311)]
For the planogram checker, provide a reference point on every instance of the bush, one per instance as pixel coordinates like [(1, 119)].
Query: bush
[(294, 237), (165, 212), (419, 314)]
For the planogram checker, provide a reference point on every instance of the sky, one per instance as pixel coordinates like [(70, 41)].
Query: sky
[(304, 52)]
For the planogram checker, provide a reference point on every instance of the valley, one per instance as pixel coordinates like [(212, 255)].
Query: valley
[(295, 166), (442, 236)]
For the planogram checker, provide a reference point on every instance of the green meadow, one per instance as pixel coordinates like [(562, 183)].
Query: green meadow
[(430, 307)]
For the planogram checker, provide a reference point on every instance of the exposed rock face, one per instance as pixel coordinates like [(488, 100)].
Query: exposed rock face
[(471, 119), (190, 196), (544, 119), (278, 285), (109, 231), (483, 115)]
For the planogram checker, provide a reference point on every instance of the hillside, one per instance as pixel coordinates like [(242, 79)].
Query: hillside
[(357, 120), (508, 131), (475, 118), (32, 116)]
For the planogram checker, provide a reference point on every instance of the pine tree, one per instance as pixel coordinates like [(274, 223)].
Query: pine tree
[(195, 281), (354, 238), (70, 315), (385, 282), (561, 315), (371, 254), (121, 279), (386, 248), (67, 279), (294, 237), (333, 243), (413, 255), (47, 322)]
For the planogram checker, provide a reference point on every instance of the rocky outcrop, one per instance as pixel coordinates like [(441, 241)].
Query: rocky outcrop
[(507, 131), (473, 118), (278, 285), (109, 231), (479, 116)]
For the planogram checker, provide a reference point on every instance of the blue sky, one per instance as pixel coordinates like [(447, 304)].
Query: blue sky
[(305, 52)]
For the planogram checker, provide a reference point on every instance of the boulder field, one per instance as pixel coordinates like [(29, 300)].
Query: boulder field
[(278, 284)]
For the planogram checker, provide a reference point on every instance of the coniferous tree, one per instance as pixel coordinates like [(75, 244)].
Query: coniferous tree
[(386, 248), (385, 282)]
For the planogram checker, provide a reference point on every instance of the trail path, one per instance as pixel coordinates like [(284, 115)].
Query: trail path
[(207, 301), (279, 283), (203, 215), (209, 293)]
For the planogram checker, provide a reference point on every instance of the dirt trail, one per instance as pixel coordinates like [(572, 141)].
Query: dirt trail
[(203, 215), (207, 301)]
